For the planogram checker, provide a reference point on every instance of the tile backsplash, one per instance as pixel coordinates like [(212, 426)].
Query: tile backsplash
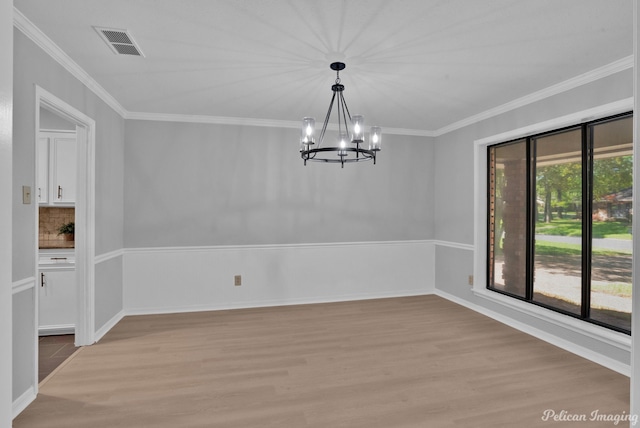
[(51, 218)]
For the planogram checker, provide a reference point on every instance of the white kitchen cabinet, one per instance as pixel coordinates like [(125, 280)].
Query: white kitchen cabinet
[(57, 171), (57, 301)]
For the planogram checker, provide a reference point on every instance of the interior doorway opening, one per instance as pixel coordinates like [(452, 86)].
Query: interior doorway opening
[(83, 252)]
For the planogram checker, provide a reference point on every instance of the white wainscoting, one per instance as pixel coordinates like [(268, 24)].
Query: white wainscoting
[(183, 279)]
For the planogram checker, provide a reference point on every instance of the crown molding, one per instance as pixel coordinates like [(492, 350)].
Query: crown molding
[(30, 30), (265, 123), (582, 79), (216, 120)]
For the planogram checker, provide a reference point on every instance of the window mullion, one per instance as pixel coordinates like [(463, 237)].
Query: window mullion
[(531, 217), (587, 210)]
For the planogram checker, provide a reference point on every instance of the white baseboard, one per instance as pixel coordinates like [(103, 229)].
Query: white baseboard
[(581, 351), (270, 303), (23, 401), (108, 325), (55, 330)]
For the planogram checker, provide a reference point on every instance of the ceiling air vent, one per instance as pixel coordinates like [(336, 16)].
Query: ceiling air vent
[(120, 41)]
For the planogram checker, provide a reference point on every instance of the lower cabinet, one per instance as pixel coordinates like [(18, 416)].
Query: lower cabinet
[(57, 301)]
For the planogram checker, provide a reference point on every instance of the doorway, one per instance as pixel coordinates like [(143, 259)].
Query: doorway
[(84, 216)]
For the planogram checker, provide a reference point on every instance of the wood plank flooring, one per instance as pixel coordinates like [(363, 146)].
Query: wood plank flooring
[(403, 362), (53, 351)]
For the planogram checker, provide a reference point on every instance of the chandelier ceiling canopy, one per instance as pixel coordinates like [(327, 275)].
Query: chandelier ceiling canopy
[(349, 144)]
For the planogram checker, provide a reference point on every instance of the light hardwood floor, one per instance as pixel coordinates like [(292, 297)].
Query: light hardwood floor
[(402, 362)]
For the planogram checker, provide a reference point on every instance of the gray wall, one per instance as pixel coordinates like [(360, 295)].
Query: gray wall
[(192, 184), (108, 291), (6, 189), (32, 66), (23, 341), (454, 181)]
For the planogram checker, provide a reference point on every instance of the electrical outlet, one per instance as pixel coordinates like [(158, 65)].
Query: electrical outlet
[(26, 195), (237, 280), (470, 279)]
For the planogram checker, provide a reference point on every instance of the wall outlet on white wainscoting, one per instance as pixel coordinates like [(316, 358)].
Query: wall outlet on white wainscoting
[(237, 280), (470, 279)]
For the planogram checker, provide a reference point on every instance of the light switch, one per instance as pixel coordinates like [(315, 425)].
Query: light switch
[(26, 195)]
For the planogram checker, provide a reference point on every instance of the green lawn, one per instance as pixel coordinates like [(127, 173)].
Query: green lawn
[(547, 248), (600, 229), (622, 290)]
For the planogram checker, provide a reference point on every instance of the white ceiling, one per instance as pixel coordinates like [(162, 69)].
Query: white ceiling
[(411, 64)]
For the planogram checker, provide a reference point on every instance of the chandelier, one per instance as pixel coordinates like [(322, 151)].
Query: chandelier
[(349, 144)]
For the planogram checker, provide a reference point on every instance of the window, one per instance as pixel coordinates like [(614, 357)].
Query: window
[(559, 220)]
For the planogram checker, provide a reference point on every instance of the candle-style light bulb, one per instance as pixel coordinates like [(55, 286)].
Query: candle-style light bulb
[(342, 144), (375, 138), (358, 128), (307, 137)]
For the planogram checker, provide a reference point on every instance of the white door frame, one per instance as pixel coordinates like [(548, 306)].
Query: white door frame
[(84, 212)]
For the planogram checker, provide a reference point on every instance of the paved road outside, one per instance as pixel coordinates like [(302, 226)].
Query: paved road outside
[(598, 243)]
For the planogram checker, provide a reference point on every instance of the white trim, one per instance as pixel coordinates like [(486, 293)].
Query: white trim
[(216, 120), (583, 352), (54, 330), (583, 79), (30, 30), (616, 107), (23, 285), (602, 334), (635, 302), (467, 247), (108, 256), (205, 248), (58, 131), (109, 325), (85, 209), (55, 268), (21, 403)]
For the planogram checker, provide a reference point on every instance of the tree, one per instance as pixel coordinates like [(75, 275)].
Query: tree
[(611, 175), (556, 182)]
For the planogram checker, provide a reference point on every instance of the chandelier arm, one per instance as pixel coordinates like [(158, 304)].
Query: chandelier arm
[(326, 120), (339, 105), (345, 112), (344, 102)]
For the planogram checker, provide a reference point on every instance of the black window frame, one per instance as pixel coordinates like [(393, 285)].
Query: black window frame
[(587, 207)]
